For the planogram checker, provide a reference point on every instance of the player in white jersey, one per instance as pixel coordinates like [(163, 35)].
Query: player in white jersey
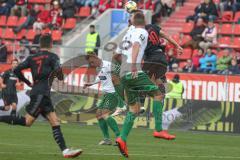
[(134, 80), (109, 100)]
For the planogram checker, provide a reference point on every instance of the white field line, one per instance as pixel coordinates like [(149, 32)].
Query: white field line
[(153, 155)]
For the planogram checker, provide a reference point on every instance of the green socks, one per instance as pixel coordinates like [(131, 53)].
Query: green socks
[(113, 125), (119, 90), (104, 128), (127, 126), (157, 112)]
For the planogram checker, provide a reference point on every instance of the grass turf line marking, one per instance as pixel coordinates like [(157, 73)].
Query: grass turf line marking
[(156, 155)]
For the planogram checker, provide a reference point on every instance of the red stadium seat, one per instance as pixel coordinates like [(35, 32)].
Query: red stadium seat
[(21, 21), (182, 64), (220, 54), (57, 35), (237, 17), (236, 43), (226, 29), (3, 20), (227, 16), (30, 34), (224, 41), (47, 30), (187, 28), (176, 37), (236, 30), (70, 23), (1, 32), (84, 12), (39, 1), (21, 34), (187, 54), (12, 21), (185, 39), (9, 34)]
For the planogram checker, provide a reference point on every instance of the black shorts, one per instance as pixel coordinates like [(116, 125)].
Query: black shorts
[(40, 104), (156, 69), (9, 99)]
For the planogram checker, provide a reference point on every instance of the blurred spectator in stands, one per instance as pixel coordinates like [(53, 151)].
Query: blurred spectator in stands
[(229, 5), (6, 6), (233, 68), (223, 62), (92, 3), (3, 52), (24, 41), (177, 88), (104, 5), (196, 58), (206, 10), (189, 67), (22, 6), (22, 53), (171, 58), (55, 16), (31, 18), (196, 35), (36, 38), (208, 62), (168, 6), (42, 20), (68, 7), (157, 9), (175, 68), (93, 41), (209, 35)]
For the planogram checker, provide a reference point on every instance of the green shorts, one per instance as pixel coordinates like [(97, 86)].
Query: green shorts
[(109, 101), (140, 85)]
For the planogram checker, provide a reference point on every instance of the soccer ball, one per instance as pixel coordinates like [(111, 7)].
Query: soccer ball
[(131, 6)]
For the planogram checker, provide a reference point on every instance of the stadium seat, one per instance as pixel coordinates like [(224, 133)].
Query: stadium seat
[(187, 28), (220, 54), (176, 37), (182, 64), (57, 35), (187, 54), (47, 30), (84, 12), (39, 1), (3, 20), (30, 34), (224, 42), (236, 30), (9, 34), (21, 34), (9, 46), (226, 29), (21, 21), (185, 39), (237, 17), (12, 21), (1, 32), (70, 23), (227, 16), (236, 43)]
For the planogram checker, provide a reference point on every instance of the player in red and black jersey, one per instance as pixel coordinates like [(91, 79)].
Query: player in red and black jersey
[(43, 66), (9, 82), (155, 65)]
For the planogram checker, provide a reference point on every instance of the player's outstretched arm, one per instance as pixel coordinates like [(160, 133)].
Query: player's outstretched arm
[(172, 41), (18, 71)]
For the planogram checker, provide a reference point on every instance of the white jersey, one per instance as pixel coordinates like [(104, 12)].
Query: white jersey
[(133, 35), (104, 76)]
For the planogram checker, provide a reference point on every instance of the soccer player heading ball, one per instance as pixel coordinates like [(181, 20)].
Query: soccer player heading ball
[(43, 65)]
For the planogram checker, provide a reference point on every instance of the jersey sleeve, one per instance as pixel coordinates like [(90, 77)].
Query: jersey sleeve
[(18, 71)]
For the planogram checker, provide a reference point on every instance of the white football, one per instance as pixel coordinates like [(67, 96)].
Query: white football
[(130, 6)]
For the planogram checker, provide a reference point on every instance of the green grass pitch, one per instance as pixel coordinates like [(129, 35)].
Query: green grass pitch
[(36, 143)]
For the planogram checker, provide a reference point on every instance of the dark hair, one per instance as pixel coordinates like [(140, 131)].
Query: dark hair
[(89, 55), (46, 41), (92, 26), (139, 19)]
